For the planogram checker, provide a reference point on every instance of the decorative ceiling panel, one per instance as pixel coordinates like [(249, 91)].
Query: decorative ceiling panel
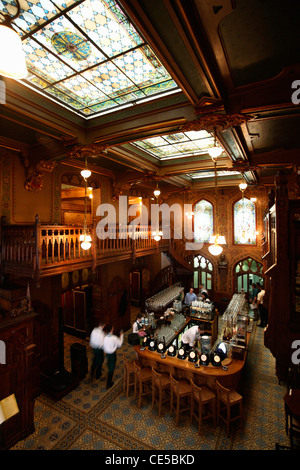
[(87, 55), (178, 145)]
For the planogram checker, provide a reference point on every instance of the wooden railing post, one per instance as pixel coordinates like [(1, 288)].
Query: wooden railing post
[(38, 251)]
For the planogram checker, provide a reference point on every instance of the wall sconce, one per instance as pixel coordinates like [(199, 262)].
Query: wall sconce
[(12, 57)]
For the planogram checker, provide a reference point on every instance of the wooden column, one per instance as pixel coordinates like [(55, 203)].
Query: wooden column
[(277, 335)]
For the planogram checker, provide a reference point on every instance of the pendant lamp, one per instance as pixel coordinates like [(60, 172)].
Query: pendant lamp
[(156, 192), (12, 56), (85, 237), (216, 240)]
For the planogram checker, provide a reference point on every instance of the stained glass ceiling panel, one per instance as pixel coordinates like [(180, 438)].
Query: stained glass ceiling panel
[(178, 145), (211, 174), (87, 55)]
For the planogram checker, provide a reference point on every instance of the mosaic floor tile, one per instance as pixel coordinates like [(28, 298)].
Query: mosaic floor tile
[(93, 418)]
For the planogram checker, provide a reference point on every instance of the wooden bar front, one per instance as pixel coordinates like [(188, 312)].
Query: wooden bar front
[(203, 375)]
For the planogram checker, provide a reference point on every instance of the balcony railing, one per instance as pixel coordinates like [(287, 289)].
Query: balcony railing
[(31, 249)]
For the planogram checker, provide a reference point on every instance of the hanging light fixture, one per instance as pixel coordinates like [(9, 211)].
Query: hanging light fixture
[(157, 235), (156, 192), (86, 173), (216, 150), (12, 57), (216, 240), (243, 187), (85, 237)]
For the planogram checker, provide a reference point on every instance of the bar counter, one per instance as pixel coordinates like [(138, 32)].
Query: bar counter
[(203, 375)]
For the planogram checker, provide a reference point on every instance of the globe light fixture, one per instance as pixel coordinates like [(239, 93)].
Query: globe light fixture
[(86, 173), (85, 237), (216, 150), (156, 192), (216, 240), (12, 56)]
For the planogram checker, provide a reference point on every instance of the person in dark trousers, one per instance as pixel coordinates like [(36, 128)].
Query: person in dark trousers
[(262, 309), (96, 343), (110, 345)]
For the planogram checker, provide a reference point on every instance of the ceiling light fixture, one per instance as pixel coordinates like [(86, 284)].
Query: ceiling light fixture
[(216, 150), (157, 235), (12, 57), (85, 237), (86, 173), (156, 192), (216, 240)]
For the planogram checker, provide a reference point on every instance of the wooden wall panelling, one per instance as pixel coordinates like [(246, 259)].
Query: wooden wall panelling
[(20, 374)]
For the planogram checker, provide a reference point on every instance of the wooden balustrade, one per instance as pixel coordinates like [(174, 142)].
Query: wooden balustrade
[(38, 246)]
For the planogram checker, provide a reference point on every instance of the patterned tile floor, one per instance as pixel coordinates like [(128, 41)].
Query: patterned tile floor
[(93, 418)]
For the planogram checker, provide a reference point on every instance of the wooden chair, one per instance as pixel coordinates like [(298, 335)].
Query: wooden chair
[(226, 400), (181, 390), (128, 374), (206, 404), (161, 388), (143, 382)]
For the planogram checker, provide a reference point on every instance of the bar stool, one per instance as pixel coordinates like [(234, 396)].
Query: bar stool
[(143, 382), (161, 383), (206, 400), (128, 374), (228, 398), (182, 391)]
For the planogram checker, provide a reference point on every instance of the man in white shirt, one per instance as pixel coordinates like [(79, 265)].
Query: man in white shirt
[(262, 310), (96, 343), (190, 336), (110, 345)]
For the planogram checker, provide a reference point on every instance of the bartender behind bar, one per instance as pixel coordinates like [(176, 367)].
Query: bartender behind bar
[(190, 297), (191, 336)]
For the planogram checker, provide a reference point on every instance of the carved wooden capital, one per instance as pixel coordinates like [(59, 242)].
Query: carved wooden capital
[(213, 118), (84, 151)]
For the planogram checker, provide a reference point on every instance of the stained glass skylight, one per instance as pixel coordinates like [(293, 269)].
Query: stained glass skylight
[(178, 145), (211, 174), (87, 55)]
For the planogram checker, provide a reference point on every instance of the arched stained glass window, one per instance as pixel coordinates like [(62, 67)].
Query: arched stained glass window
[(244, 219), (203, 221)]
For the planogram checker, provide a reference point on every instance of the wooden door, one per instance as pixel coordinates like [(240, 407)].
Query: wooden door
[(118, 305)]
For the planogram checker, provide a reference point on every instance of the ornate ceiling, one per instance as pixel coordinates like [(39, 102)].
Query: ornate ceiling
[(140, 87)]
